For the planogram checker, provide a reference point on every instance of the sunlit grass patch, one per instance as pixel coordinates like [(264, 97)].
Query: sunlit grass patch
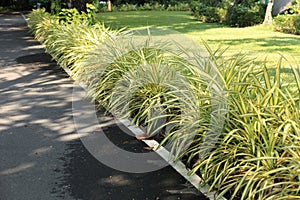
[(258, 41)]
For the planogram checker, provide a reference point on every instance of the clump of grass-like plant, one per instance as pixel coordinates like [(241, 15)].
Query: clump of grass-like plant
[(70, 41), (113, 83), (35, 17), (257, 155), (230, 118)]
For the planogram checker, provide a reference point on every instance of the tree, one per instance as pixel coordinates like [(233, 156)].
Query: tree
[(109, 6), (6, 2), (19, 4), (268, 17)]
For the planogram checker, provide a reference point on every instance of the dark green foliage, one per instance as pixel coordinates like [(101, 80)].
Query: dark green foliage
[(211, 11), (80, 5), (147, 6), (55, 6), (209, 14), (142, 2), (6, 3), (245, 13), (22, 4), (234, 13), (242, 16)]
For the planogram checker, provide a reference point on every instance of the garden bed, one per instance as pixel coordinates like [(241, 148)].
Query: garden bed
[(235, 123)]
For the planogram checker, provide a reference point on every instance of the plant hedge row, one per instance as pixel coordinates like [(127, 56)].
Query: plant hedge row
[(232, 13), (233, 120), (147, 6)]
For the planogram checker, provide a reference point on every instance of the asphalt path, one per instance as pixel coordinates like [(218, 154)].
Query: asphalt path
[(41, 155)]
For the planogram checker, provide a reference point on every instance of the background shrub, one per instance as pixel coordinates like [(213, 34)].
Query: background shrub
[(233, 13), (209, 14), (287, 23), (147, 6), (127, 7), (245, 13), (242, 16), (179, 7), (210, 11)]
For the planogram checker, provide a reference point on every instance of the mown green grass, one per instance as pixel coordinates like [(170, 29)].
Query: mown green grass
[(259, 41)]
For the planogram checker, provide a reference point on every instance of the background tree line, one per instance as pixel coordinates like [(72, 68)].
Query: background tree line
[(79, 4)]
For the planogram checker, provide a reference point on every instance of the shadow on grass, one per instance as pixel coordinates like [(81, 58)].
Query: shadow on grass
[(274, 44)]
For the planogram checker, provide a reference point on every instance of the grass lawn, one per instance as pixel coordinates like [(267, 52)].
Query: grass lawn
[(258, 41)]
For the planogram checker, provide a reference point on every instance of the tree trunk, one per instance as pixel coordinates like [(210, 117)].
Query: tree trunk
[(109, 6), (268, 17)]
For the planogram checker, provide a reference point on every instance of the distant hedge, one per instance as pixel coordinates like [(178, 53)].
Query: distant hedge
[(289, 23), (232, 13)]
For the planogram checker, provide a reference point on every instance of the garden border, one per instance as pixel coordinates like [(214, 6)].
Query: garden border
[(194, 179)]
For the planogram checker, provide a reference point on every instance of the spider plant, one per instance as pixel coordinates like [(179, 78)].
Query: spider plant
[(73, 42), (107, 66), (68, 42), (43, 26), (257, 156), (235, 123), (35, 17), (141, 94)]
